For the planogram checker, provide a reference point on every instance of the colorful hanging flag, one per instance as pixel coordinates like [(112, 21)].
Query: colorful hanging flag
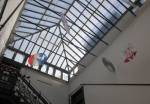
[(65, 23), (37, 59)]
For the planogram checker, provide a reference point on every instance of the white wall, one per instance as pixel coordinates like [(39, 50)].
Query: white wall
[(5, 32), (136, 71), (55, 91), (117, 94)]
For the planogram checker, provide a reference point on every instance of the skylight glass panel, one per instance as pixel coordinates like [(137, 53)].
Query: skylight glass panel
[(29, 48), (50, 71), (58, 74), (55, 59), (35, 50), (17, 44), (19, 58), (9, 53), (24, 45), (64, 65), (34, 8), (44, 68), (41, 50), (39, 41), (65, 31), (71, 75), (76, 70), (44, 44), (60, 61), (65, 76)]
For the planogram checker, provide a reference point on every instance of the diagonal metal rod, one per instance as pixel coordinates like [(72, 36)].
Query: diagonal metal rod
[(54, 5), (86, 22), (83, 29), (113, 6), (101, 15), (48, 15), (129, 9), (73, 57), (86, 31), (64, 50), (47, 8), (36, 18), (101, 4), (70, 41), (34, 33)]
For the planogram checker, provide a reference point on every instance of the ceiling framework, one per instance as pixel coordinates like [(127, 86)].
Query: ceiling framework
[(40, 30)]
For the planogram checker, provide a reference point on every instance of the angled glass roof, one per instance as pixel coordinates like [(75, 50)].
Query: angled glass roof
[(40, 29)]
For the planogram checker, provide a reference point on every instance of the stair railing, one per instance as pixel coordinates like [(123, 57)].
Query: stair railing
[(24, 88)]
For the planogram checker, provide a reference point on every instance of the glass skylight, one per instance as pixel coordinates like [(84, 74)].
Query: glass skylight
[(40, 29)]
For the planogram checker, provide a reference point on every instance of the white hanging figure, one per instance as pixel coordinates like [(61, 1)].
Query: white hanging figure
[(129, 3), (65, 24)]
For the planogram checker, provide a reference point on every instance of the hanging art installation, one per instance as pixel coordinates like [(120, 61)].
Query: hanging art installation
[(65, 23), (108, 64), (129, 53), (37, 59)]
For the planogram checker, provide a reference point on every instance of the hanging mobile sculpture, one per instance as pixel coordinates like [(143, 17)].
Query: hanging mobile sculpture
[(65, 23), (37, 59)]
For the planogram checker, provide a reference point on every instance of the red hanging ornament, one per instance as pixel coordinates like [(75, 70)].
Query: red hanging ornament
[(130, 53)]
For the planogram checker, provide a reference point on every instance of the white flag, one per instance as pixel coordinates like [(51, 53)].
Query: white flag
[(65, 24)]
